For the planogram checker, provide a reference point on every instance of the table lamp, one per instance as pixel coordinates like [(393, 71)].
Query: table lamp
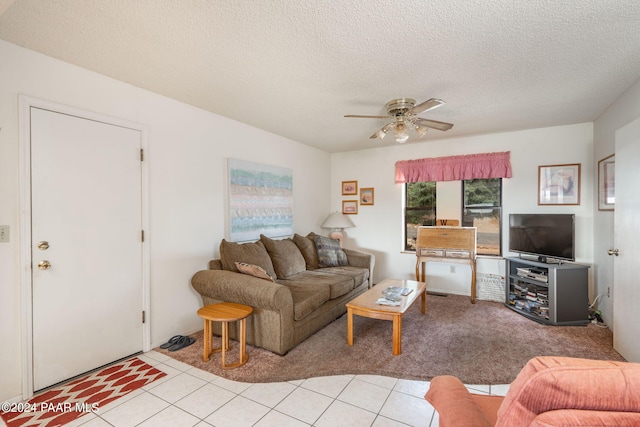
[(337, 222)]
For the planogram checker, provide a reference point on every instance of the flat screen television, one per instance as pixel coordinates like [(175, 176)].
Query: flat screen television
[(547, 236)]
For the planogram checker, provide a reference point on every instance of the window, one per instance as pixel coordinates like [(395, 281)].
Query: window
[(482, 208), (420, 209)]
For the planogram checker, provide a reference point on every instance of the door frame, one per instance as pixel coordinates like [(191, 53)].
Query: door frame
[(25, 103)]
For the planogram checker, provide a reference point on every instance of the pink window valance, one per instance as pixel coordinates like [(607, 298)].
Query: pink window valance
[(455, 168)]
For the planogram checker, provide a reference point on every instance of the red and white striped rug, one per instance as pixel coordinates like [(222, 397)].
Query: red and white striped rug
[(61, 405)]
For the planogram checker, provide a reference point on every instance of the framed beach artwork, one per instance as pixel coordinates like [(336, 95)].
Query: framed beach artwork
[(349, 188), (559, 184), (366, 196), (607, 183), (260, 201)]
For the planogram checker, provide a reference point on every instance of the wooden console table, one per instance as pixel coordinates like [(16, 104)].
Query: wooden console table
[(447, 244)]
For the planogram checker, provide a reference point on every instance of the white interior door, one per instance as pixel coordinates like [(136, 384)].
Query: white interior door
[(626, 290), (87, 206)]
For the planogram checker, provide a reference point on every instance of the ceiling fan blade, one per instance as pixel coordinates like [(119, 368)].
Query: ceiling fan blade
[(427, 105), (366, 117), (382, 132), (434, 124)]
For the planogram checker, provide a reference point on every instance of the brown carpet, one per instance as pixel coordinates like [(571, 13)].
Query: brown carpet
[(482, 343)]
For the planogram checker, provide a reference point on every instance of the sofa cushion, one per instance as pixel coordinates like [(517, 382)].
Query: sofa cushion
[(306, 298), (250, 253), (585, 418), (330, 254), (358, 274), (308, 249), (338, 285), (286, 257), (253, 270)]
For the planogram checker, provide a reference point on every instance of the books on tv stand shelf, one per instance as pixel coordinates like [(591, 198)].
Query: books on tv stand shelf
[(555, 294)]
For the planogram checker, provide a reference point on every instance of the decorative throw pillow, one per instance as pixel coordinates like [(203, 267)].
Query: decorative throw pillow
[(250, 253), (308, 249), (253, 270), (285, 256), (330, 254)]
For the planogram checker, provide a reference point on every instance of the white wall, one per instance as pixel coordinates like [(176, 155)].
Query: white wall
[(623, 111), (187, 154), (379, 227)]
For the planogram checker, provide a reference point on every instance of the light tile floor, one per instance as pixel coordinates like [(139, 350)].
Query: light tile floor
[(191, 397)]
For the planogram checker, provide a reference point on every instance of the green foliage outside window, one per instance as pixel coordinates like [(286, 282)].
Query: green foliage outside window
[(482, 208), (484, 192), (420, 210), (420, 194)]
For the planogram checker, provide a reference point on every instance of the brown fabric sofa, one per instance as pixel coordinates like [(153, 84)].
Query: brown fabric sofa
[(296, 286), (549, 391)]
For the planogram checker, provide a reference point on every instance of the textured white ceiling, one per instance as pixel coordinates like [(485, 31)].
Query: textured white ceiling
[(295, 67)]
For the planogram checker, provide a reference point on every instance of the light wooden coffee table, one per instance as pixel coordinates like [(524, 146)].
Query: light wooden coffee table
[(365, 305)]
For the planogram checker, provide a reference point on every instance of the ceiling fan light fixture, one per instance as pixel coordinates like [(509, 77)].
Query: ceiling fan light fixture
[(421, 130), (402, 138), (403, 112), (401, 134)]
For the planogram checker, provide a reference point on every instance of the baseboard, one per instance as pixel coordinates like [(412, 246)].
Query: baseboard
[(438, 294)]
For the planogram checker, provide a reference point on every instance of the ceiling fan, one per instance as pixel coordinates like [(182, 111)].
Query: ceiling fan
[(404, 113)]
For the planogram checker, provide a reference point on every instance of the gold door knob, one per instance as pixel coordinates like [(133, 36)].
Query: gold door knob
[(44, 265), (615, 252), (43, 246)]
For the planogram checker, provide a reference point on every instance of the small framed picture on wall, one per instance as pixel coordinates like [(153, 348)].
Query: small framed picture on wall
[(349, 188), (366, 196), (349, 207)]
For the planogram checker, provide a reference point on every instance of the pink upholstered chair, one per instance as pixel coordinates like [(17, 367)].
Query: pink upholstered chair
[(548, 391)]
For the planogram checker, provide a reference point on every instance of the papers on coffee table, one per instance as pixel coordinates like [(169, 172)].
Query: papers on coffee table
[(384, 301), (393, 295), (395, 290)]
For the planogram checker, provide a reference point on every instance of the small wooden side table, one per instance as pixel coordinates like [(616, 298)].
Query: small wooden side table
[(225, 312)]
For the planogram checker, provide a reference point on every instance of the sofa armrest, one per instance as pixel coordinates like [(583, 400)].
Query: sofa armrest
[(551, 383), (361, 259), (456, 406), (241, 288)]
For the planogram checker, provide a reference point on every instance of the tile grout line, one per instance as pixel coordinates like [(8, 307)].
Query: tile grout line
[(297, 385)]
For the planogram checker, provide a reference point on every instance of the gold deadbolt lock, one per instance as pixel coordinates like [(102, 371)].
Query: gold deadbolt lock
[(43, 246)]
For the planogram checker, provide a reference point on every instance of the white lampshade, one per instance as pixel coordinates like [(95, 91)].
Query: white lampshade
[(337, 222)]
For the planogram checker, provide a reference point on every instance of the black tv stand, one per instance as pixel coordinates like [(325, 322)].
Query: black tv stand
[(554, 294)]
